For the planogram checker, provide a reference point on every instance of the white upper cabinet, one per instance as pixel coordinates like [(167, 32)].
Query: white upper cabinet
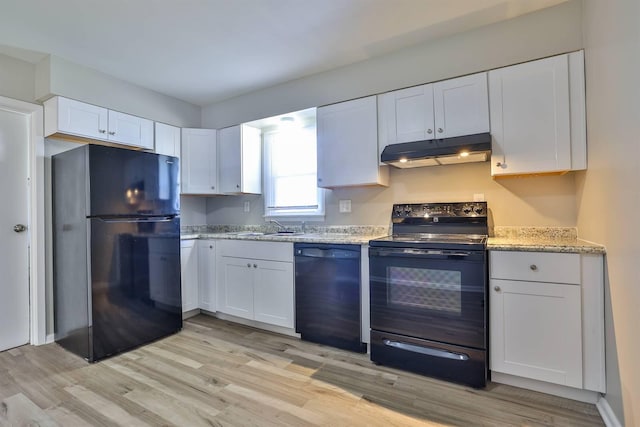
[(130, 130), (445, 109), (167, 140), (538, 116), (240, 160), (86, 121), (461, 106), (347, 145), (199, 161)]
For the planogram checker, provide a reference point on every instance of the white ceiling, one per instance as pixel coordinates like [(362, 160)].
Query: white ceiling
[(205, 51)]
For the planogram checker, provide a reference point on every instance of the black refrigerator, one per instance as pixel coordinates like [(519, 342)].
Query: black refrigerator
[(116, 253)]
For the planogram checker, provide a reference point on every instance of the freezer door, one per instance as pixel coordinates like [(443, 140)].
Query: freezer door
[(127, 182), (135, 283)]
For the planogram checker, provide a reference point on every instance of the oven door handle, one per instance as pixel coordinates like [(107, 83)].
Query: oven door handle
[(429, 351), (427, 253)]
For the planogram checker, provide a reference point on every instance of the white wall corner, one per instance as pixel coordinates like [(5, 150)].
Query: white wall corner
[(608, 416), (43, 79)]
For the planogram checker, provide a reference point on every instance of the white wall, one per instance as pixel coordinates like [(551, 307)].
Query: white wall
[(608, 192), (547, 32), (56, 76), (17, 79), (526, 201), (542, 201)]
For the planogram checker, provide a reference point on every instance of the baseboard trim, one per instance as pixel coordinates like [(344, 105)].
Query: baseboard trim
[(608, 416), (254, 324), (49, 339), (548, 388)]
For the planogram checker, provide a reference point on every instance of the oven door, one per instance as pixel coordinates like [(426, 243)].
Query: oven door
[(436, 295)]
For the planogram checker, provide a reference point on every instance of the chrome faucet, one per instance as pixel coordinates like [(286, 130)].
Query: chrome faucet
[(276, 222)]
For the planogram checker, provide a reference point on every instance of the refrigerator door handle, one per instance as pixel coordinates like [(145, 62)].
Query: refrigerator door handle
[(167, 218)]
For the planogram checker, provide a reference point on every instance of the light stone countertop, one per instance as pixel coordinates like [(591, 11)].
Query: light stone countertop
[(355, 235), (541, 239), (526, 239)]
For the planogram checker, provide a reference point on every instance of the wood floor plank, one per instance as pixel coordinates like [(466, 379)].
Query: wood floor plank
[(18, 410), (217, 373)]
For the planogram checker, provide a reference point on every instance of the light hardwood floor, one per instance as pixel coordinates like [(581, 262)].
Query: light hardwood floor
[(215, 373)]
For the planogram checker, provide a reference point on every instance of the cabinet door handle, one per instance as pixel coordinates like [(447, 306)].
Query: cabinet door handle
[(213, 187), (112, 133), (255, 265), (533, 267), (248, 265), (237, 185), (429, 131), (496, 288), (499, 164), (440, 130), (102, 131)]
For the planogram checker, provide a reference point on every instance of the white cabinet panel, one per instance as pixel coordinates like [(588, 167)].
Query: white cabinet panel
[(252, 286), (537, 116), (130, 130), (410, 114), (347, 145), (444, 109), (189, 267), (536, 266), (167, 140), (273, 293), (461, 106), (78, 118), (206, 275), (199, 161), (235, 287), (240, 159), (547, 323), (536, 331), (90, 122)]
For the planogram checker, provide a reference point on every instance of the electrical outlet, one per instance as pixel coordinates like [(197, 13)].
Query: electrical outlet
[(345, 206), (478, 197), (247, 206)]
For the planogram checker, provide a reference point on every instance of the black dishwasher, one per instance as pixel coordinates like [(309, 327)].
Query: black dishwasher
[(328, 294)]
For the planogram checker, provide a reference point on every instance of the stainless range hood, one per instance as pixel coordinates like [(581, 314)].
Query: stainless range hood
[(433, 152)]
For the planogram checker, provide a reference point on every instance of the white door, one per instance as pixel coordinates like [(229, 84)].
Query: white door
[(14, 284)]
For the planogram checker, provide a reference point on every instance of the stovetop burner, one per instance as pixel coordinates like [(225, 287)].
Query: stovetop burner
[(438, 225)]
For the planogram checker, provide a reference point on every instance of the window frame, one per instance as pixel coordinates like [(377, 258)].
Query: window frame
[(317, 214)]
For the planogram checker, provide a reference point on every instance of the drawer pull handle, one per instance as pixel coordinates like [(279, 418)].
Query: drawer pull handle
[(533, 267), (496, 288), (248, 265)]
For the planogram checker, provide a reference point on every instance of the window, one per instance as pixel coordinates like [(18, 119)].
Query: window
[(290, 168)]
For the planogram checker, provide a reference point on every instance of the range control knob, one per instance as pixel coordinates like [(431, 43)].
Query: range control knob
[(466, 209), (478, 210), (407, 210)]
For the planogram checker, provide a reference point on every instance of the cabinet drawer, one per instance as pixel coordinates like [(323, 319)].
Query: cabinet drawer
[(273, 251), (535, 266)]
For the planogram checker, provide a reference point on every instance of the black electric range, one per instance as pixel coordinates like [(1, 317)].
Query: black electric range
[(428, 283)]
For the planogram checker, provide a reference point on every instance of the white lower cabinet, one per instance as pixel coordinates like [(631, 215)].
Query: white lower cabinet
[(189, 270), (206, 275), (255, 281), (546, 316)]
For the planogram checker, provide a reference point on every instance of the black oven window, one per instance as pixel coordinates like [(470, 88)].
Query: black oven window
[(439, 290)]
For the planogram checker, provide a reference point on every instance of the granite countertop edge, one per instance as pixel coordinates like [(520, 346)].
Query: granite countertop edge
[(339, 238), (544, 245)]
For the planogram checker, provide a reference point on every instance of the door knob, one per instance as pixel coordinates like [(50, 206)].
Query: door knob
[(19, 228)]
